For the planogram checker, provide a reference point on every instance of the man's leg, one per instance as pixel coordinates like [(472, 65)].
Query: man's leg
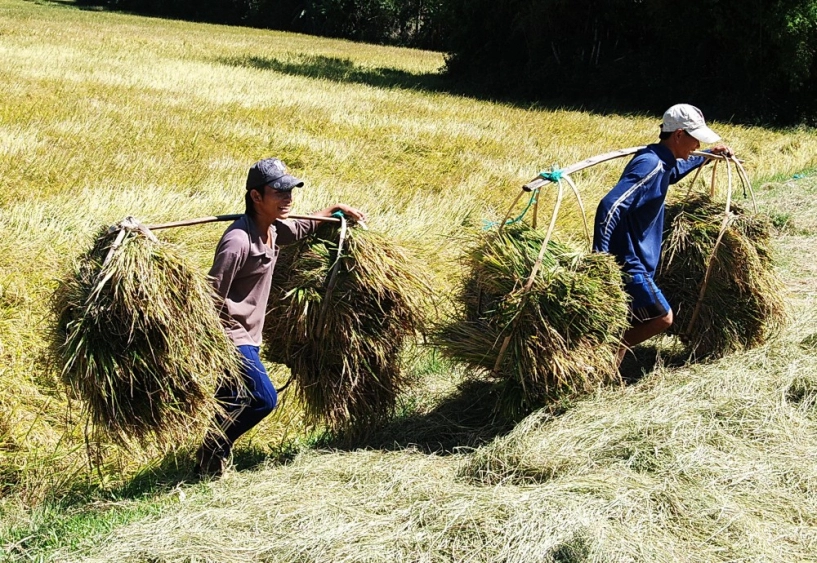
[(243, 410), (644, 331), (650, 313)]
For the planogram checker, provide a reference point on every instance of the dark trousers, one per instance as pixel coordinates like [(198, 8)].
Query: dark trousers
[(244, 408)]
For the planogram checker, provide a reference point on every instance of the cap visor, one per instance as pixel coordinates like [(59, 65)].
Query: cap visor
[(287, 182), (704, 134)]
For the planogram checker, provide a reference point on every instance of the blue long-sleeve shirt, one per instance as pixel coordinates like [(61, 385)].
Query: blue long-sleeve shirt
[(630, 218)]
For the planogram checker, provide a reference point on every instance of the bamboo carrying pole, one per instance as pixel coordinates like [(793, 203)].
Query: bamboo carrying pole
[(232, 217), (131, 224), (538, 182)]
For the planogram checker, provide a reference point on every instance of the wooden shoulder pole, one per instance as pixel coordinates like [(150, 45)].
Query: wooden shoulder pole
[(232, 217)]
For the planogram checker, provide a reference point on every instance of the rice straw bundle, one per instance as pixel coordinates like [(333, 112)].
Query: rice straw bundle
[(564, 332), (342, 333), (140, 340), (742, 303)]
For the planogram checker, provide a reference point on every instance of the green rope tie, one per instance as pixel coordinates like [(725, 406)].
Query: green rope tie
[(531, 201), (554, 175)]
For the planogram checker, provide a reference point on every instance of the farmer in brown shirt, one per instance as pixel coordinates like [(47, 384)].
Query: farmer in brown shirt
[(241, 274)]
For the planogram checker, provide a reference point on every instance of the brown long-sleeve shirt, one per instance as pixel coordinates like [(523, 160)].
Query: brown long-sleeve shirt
[(242, 273)]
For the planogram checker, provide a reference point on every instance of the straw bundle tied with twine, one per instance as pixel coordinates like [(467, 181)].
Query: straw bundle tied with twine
[(139, 338), (339, 321), (543, 317), (564, 332), (715, 269), (717, 272)]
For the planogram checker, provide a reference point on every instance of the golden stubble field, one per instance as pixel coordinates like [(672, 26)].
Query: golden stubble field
[(104, 115)]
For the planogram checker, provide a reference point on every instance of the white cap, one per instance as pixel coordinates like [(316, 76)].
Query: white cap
[(690, 119)]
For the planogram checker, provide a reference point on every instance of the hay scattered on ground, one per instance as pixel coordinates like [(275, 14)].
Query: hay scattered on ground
[(743, 304), (564, 333), (699, 464), (140, 340), (344, 344)]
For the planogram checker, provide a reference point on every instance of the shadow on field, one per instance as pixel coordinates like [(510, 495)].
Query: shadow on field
[(338, 69), (536, 94), (84, 6), (647, 358), (345, 70), (462, 421), (467, 419), (160, 477), (177, 468)]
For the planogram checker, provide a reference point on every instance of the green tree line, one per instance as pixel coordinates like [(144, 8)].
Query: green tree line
[(750, 60), (416, 23)]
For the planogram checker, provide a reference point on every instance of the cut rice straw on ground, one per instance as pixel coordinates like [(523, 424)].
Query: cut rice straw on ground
[(140, 340), (340, 324)]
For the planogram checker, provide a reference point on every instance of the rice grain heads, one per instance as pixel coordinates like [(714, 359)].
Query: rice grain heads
[(342, 334), (743, 303), (140, 340), (564, 333)]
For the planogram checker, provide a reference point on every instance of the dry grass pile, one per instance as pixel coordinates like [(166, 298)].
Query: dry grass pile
[(743, 302), (140, 340), (714, 462), (342, 332), (706, 464), (564, 332)]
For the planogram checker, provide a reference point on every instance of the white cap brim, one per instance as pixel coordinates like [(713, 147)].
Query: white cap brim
[(704, 134)]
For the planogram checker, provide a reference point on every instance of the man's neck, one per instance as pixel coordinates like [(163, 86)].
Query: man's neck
[(262, 224)]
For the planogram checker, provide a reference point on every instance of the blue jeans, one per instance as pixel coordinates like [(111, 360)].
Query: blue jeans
[(244, 409)]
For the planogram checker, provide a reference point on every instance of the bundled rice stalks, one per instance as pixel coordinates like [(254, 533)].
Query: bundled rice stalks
[(742, 303), (140, 340), (564, 333), (341, 332)]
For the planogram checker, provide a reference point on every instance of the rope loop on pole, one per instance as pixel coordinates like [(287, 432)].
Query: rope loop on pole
[(333, 275), (127, 225), (553, 175), (487, 225), (728, 218), (523, 293)]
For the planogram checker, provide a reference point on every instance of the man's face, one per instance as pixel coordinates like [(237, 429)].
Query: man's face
[(274, 204), (686, 144)]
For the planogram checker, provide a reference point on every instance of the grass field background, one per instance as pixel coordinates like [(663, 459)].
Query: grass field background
[(104, 115)]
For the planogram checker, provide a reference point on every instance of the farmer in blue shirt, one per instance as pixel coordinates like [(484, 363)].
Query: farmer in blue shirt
[(630, 218)]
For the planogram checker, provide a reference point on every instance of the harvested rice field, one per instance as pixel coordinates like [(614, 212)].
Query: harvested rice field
[(425, 455)]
